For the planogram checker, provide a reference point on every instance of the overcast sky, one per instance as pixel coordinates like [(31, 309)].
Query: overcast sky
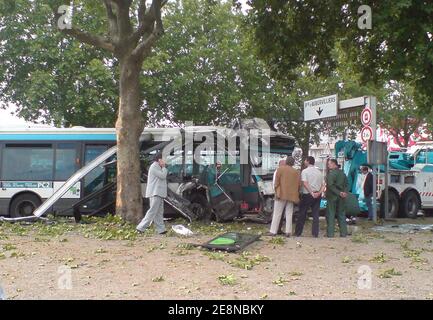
[(8, 120)]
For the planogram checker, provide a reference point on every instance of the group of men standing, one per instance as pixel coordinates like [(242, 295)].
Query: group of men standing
[(310, 185), (291, 187)]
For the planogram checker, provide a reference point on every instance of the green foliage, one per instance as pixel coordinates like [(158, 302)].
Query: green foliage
[(399, 47), (277, 240), (388, 273), (158, 279), (280, 281), (227, 280), (53, 78), (246, 261), (379, 258)]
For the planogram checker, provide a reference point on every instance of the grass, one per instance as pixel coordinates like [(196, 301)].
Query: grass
[(388, 273), (106, 228), (8, 247), (161, 246), (227, 280), (346, 260), (379, 258), (158, 279), (278, 240), (246, 261), (359, 238), (413, 253), (216, 255), (280, 281)]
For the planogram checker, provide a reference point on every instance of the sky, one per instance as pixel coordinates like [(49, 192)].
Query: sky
[(7, 120)]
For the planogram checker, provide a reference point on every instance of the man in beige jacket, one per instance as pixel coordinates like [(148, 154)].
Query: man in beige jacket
[(286, 195)]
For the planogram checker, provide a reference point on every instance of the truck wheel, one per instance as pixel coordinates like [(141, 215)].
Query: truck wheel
[(24, 205), (410, 205), (393, 206)]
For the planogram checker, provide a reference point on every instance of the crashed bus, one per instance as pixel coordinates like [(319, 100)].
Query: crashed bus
[(213, 173)]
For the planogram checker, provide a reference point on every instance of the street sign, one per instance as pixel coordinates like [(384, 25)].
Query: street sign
[(351, 103), (366, 116), (321, 108), (366, 134)]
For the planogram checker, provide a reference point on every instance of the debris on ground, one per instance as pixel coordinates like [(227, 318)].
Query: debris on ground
[(404, 228), (231, 241), (182, 230)]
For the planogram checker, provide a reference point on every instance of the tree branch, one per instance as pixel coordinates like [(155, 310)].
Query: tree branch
[(147, 17), (123, 19), (87, 38), (94, 40), (112, 21), (144, 46)]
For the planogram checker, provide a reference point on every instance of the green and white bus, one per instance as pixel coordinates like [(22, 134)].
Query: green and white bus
[(35, 162)]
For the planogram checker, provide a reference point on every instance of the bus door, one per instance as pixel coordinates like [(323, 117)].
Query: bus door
[(97, 178)]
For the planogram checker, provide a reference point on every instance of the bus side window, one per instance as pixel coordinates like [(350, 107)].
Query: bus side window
[(27, 162), (66, 154)]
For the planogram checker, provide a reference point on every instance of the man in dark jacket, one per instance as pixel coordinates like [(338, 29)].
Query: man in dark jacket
[(336, 192), (368, 190)]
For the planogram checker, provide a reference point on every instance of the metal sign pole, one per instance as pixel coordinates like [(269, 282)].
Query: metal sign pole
[(386, 186), (371, 103)]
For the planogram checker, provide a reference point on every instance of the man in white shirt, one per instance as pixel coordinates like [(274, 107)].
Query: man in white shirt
[(312, 188), (156, 191)]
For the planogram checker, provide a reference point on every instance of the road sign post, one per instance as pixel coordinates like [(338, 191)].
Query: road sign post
[(336, 112)]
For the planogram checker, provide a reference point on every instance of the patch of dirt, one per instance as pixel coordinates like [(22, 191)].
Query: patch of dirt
[(65, 261)]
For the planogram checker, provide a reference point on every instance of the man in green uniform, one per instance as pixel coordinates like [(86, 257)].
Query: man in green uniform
[(336, 192)]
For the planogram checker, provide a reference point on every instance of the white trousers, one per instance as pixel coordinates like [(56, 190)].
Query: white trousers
[(279, 207), (154, 214)]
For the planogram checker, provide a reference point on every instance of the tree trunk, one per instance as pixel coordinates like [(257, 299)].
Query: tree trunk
[(305, 143), (129, 126)]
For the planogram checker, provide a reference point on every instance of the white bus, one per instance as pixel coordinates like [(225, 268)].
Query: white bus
[(35, 162)]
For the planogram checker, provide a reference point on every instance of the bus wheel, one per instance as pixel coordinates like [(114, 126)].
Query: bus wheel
[(24, 205), (410, 205)]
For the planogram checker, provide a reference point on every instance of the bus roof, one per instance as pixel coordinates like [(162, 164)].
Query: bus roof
[(58, 134)]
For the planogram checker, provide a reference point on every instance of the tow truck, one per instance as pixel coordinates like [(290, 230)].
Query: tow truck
[(410, 179)]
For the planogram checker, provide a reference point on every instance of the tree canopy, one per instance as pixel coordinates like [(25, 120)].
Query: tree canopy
[(399, 46)]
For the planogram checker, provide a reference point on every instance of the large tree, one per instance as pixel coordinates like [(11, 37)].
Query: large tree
[(399, 46), (131, 30)]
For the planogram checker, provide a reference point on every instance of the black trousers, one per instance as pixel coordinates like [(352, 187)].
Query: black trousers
[(307, 201)]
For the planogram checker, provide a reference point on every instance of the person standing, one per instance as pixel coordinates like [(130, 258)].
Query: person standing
[(336, 192), (286, 195), (156, 191), (368, 190), (312, 188)]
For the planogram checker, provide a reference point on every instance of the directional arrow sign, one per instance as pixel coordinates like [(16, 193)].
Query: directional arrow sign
[(321, 108)]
